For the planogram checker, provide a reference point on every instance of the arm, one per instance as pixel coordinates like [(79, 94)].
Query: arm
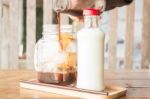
[(111, 4), (74, 7)]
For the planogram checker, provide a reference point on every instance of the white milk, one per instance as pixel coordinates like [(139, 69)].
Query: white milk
[(90, 58)]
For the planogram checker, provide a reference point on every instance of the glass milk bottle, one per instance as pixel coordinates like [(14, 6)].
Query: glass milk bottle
[(53, 64), (90, 42)]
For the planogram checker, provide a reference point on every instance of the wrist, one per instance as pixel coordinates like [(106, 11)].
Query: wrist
[(111, 4), (128, 1)]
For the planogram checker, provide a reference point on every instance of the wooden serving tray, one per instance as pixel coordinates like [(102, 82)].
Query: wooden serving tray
[(111, 92)]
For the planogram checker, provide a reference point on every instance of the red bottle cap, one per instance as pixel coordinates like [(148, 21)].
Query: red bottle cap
[(91, 11)]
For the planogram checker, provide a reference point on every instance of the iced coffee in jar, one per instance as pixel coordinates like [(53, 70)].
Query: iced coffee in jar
[(55, 57)]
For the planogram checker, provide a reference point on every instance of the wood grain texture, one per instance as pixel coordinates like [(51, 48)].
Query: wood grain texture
[(64, 19), (20, 26), (130, 83), (12, 90), (5, 37), (143, 93), (146, 35), (47, 12), (110, 92), (113, 20), (13, 33), (31, 31), (128, 75), (10, 29), (136, 88), (129, 36), (0, 30)]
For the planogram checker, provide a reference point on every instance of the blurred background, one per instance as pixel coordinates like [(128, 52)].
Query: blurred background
[(127, 29)]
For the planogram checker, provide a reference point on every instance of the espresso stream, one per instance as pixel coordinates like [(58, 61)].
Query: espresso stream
[(76, 13)]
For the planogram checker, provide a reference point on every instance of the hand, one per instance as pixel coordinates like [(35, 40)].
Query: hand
[(111, 4), (79, 4)]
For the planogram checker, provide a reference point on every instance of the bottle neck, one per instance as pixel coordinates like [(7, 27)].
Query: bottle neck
[(91, 21)]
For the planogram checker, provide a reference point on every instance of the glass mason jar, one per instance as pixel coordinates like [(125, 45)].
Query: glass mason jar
[(53, 64)]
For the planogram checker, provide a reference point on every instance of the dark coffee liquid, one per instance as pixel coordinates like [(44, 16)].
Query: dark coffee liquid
[(61, 78)]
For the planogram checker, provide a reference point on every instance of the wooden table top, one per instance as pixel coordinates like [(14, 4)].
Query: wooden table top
[(137, 83)]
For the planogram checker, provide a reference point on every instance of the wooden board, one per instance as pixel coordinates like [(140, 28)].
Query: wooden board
[(111, 92)]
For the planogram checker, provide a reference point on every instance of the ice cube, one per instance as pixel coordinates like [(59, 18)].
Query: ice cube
[(72, 47), (60, 57), (49, 67)]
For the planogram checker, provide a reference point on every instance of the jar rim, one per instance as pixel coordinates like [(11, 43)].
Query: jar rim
[(53, 28), (50, 28)]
